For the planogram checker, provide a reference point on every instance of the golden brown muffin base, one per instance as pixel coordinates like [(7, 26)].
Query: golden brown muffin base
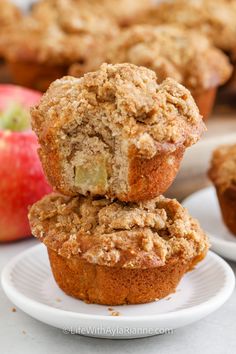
[(227, 201), (113, 285), (149, 178), (35, 75), (205, 101)]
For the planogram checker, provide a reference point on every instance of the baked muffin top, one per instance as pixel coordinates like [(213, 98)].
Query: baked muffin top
[(116, 234), (122, 100), (173, 52), (216, 19), (60, 32), (222, 171)]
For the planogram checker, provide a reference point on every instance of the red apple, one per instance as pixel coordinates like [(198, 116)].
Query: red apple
[(22, 181), (10, 94)]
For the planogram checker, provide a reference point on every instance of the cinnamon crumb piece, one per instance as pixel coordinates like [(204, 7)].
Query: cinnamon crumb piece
[(13, 309), (115, 313)]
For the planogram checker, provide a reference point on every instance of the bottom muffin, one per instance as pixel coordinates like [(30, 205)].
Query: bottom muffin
[(222, 173), (115, 253)]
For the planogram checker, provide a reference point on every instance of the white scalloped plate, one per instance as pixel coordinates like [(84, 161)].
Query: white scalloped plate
[(204, 206), (28, 282)]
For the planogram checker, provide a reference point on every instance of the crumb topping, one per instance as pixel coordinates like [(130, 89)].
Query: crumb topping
[(116, 234), (126, 101), (216, 19), (173, 52), (223, 167)]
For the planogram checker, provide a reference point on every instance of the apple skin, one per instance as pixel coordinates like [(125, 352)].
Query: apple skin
[(13, 93), (22, 182)]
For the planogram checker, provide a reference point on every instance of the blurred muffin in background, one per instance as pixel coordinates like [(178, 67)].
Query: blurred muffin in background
[(123, 11), (41, 47), (222, 173), (213, 18), (9, 14), (171, 51)]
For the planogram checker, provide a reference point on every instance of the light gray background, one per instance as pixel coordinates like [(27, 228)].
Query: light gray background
[(20, 333)]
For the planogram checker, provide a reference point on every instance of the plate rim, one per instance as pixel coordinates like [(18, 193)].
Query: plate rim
[(213, 303), (217, 241)]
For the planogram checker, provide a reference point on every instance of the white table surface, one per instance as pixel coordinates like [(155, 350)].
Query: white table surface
[(20, 333)]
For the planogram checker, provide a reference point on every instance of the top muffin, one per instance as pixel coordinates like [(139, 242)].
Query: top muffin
[(115, 132)]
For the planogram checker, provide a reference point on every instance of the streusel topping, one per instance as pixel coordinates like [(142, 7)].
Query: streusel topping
[(223, 167), (127, 101), (116, 234), (173, 52)]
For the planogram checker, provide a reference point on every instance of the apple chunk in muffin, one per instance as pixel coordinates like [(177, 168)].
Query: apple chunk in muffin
[(92, 175), (115, 132)]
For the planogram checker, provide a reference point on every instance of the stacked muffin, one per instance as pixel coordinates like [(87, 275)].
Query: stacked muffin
[(111, 142)]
